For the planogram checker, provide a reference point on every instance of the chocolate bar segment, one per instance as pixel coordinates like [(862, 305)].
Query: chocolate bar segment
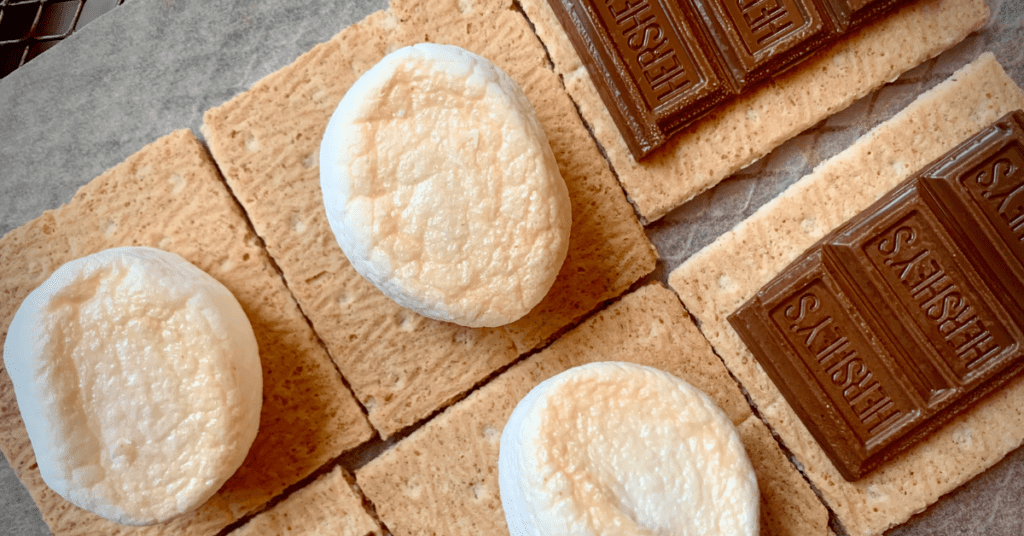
[(853, 13), (903, 259), (829, 345), (765, 36), (651, 61), (667, 59), (904, 316), (982, 184), (660, 65)]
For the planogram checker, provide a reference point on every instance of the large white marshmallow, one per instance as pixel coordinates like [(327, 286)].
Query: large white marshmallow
[(441, 188), (139, 381), (621, 449)]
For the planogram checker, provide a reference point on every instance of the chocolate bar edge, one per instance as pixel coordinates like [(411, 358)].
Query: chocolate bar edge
[(640, 129), (753, 315)]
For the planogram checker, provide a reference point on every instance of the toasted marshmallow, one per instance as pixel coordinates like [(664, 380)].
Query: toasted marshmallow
[(622, 449), (442, 190), (139, 381)]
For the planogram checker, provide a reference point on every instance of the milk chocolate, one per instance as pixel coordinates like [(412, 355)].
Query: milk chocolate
[(907, 314), (661, 65)]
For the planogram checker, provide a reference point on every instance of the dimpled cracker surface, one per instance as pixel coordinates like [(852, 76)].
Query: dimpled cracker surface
[(403, 366), (326, 507), (443, 478), (751, 126), (169, 196), (724, 275)]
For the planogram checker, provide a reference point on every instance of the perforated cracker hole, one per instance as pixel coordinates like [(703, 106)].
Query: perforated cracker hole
[(480, 492), (298, 226), (414, 490), (177, 183), (251, 143), (462, 336), (406, 320), (311, 159)]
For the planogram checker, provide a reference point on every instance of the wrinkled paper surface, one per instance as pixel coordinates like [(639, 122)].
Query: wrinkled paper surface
[(152, 66)]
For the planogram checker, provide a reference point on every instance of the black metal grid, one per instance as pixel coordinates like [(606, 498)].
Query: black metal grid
[(29, 27)]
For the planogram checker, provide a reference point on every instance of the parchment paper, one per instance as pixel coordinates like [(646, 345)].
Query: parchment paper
[(153, 66)]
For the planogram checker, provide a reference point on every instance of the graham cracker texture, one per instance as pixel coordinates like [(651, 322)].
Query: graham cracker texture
[(751, 126), (717, 280), (169, 196), (403, 366), (328, 506), (443, 478)]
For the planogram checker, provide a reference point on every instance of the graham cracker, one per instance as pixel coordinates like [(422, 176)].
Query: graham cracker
[(718, 279), (749, 127), (443, 478), (170, 196), (328, 506), (402, 366)]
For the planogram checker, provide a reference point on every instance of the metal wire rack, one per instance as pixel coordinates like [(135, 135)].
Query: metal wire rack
[(29, 27)]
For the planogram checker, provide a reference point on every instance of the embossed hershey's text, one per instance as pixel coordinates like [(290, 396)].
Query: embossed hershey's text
[(840, 358), (942, 300), (650, 47)]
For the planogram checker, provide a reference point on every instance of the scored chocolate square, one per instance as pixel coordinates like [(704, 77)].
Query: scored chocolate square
[(403, 366), (723, 276), (981, 183), (660, 66), (902, 318), (747, 128), (650, 63)]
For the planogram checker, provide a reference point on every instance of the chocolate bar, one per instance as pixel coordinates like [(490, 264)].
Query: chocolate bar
[(661, 65), (907, 314)]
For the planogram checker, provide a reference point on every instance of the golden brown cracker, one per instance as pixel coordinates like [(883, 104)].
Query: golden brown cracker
[(328, 506), (170, 196), (782, 511), (443, 478), (751, 126), (403, 366), (718, 279)]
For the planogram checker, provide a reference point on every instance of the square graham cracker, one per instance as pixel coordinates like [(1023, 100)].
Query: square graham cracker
[(749, 127), (443, 478), (170, 196), (403, 366), (328, 506), (721, 277)]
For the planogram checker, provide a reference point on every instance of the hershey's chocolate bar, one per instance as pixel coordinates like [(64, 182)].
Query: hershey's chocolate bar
[(659, 65), (907, 314)]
